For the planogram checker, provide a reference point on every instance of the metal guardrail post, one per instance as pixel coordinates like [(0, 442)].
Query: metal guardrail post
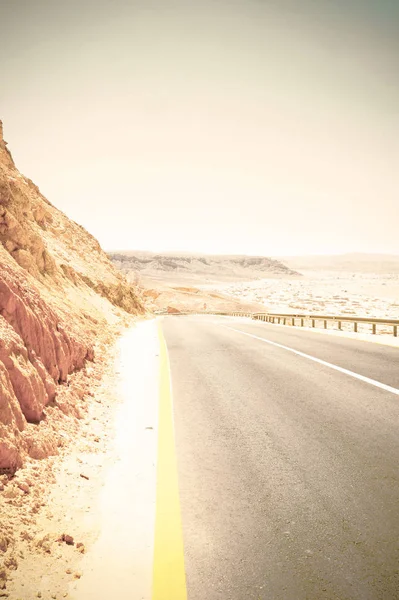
[(374, 328), (340, 325), (355, 327), (395, 330), (313, 322), (301, 322)]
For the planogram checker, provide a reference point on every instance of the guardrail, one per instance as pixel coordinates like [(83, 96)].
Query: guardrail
[(292, 319), (283, 318)]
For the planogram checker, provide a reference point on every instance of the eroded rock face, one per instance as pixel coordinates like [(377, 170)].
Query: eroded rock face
[(45, 337), (11, 419), (58, 290)]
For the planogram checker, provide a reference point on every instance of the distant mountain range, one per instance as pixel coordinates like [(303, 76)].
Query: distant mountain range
[(181, 266), (356, 262)]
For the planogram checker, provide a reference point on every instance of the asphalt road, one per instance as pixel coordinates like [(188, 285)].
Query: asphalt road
[(288, 469)]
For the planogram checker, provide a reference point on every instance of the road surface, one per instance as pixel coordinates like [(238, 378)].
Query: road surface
[(288, 468)]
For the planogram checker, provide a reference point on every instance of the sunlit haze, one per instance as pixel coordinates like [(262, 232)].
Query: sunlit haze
[(256, 127)]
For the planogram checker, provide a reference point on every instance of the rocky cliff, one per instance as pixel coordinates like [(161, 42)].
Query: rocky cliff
[(59, 295)]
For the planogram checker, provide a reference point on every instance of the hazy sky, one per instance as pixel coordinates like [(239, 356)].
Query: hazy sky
[(244, 126)]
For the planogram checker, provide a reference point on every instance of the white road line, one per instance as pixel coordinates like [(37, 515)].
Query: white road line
[(378, 384)]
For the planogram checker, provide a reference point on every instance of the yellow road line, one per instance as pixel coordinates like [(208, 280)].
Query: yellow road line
[(169, 579)]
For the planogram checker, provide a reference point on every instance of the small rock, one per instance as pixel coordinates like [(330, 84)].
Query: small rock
[(54, 596), (1, 487), (68, 539), (36, 507), (68, 571), (39, 594), (4, 541), (80, 547), (78, 575), (24, 487), (45, 543), (84, 476)]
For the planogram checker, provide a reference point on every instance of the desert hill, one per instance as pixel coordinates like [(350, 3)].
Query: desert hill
[(60, 297), (179, 267)]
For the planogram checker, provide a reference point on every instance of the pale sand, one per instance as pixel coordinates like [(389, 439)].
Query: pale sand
[(119, 564)]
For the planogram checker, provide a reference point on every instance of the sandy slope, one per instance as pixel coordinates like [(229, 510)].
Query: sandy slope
[(179, 298)]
